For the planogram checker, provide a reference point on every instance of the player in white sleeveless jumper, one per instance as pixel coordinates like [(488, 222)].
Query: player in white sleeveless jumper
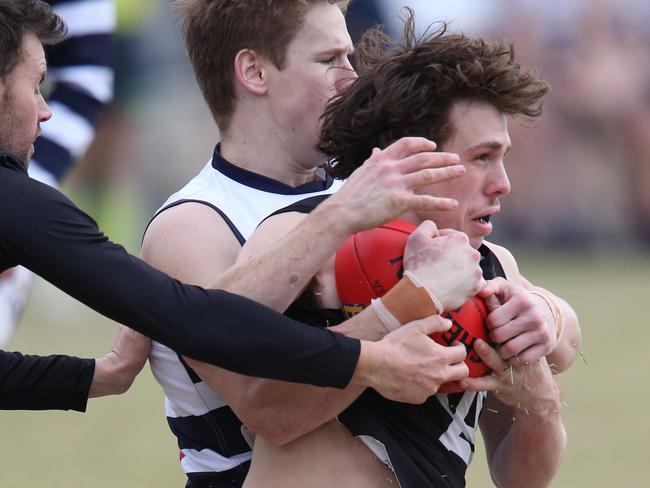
[(266, 84), (209, 434)]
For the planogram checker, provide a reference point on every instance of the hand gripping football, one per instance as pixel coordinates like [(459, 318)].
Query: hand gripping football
[(370, 263)]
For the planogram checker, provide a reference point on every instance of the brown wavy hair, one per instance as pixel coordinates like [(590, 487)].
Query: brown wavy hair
[(407, 88), (216, 30)]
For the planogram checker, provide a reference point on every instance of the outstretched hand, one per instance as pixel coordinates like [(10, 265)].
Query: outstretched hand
[(384, 187)]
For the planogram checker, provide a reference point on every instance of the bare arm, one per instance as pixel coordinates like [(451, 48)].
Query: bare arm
[(522, 427), (378, 191), (192, 243), (282, 411)]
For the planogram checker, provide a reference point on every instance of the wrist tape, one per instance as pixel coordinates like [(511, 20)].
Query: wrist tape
[(554, 306), (408, 300)]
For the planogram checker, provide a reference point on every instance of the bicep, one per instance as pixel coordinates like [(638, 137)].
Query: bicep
[(192, 243)]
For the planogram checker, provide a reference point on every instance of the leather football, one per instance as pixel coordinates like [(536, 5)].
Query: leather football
[(370, 263)]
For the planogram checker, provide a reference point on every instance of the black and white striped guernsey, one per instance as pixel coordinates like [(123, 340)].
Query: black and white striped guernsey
[(428, 445), (80, 82), (213, 450)]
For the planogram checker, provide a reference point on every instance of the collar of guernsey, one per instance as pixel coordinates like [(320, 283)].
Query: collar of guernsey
[(8, 160), (264, 183)]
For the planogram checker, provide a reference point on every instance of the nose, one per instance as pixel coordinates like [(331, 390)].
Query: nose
[(346, 77), (498, 183), (44, 112)]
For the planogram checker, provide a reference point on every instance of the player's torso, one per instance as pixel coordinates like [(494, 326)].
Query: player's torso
[(428, 445), (209, 433)]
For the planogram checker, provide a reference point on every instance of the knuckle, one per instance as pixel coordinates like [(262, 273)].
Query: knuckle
[(537, 318), (495, 335), (429, 176), (507, 351)]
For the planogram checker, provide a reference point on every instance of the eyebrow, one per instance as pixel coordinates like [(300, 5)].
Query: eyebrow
[(347, 48), (489, 145)]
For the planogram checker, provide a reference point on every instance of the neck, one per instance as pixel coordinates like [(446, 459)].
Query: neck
[(265, 150)]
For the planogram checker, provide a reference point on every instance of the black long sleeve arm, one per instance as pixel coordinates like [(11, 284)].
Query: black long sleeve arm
[(44, 382), (44, 231)]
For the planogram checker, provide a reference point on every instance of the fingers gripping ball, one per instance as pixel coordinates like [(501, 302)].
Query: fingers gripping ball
[(467, 325), (371, 262)]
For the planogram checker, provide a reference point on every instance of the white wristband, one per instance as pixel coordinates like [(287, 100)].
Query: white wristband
[(386, 318)]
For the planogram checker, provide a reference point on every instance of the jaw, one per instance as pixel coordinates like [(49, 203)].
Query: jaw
[(476, 231)]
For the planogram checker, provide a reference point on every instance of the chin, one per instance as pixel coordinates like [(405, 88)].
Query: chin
[(475, 242)]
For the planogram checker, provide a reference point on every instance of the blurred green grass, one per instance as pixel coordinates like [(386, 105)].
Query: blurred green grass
[(124, 441)]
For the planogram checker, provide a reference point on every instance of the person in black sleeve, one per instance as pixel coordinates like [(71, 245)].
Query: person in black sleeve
[(79, 87), (45, 232)]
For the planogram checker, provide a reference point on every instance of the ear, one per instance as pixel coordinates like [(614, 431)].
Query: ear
[(250, 72)]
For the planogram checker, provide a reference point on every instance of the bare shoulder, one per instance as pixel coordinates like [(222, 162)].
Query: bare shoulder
[(270, 231), (507, 260), (191, 242)]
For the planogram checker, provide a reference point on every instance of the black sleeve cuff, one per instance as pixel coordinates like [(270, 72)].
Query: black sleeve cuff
[(349, 351), (79, 397)]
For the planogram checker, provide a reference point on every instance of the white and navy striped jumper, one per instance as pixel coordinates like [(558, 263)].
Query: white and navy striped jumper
[(81, 80), (213, 451)]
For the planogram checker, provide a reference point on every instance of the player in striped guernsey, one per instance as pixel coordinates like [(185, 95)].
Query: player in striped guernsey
[(81, 85), (276, 65), (211, 325), (458, 91)]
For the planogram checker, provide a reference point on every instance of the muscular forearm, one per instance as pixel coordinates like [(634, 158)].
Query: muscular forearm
[(279, 274), (531, 451), (280, 411)]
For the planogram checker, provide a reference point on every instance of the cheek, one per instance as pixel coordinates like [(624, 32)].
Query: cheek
[(26, 112), (450, 219), (446, 189)]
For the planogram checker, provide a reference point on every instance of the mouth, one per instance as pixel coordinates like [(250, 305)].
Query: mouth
[(484, 219)]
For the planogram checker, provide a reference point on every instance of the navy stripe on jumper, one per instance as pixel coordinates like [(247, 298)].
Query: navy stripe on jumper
[(218, 430)]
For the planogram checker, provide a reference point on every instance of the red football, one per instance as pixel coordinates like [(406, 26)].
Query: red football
[(370, 263)]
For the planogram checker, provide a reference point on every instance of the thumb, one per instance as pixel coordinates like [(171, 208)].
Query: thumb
[(428, 228), (492, 303), (497, 287), (375, 152)]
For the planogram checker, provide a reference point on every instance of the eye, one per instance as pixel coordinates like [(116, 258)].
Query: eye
[(329, 60), (39, 88), (483, 157)]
